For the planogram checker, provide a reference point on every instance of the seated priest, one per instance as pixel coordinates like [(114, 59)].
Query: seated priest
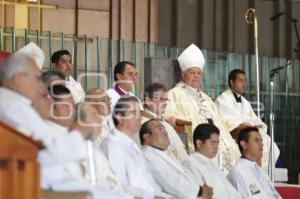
[(125, 77), (189, 102), (206, 140), (76, 172), (250, 180), (166, 169), (237, 113), (62, 61), (102, 103), (125, 157), (155, 102)]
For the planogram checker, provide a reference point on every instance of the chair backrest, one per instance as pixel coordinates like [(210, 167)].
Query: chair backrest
[(168, 72), (164, 71), (19, 169)]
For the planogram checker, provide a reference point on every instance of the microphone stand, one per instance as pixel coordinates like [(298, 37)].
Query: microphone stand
[(91, 160), (273, 72)]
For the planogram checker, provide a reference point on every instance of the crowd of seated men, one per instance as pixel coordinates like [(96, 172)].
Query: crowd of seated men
[(136, 152)]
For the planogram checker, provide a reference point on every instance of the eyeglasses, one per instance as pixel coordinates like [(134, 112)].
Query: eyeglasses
[(105, 99), (161, 99)]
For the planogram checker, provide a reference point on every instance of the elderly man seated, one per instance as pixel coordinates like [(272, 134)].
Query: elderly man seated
[(206, 140), (189, 102), (167, 171)]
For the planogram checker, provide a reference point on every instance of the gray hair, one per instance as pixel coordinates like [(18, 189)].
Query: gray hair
[(48, 77), (17, 62)]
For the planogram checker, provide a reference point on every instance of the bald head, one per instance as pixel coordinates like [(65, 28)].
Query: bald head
[(100, 100)]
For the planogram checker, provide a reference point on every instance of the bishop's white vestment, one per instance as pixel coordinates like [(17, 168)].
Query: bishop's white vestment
[(189, 104)]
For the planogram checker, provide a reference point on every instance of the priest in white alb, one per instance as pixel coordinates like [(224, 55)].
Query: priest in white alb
[(206, 141), (166, 169), (124, 156), (102, 103), (237, 113), (156, 100), (62, 61), (247, 176), (188, 102)]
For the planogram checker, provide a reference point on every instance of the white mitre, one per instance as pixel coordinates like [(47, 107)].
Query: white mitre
[(191, 57), (35, 52)]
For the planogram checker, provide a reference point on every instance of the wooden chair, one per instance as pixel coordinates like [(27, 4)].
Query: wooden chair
[(184, 130), (167, 72), (48, 194), (19, 169)]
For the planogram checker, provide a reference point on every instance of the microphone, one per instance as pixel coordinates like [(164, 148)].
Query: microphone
[(275, 70), (277, 15)]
